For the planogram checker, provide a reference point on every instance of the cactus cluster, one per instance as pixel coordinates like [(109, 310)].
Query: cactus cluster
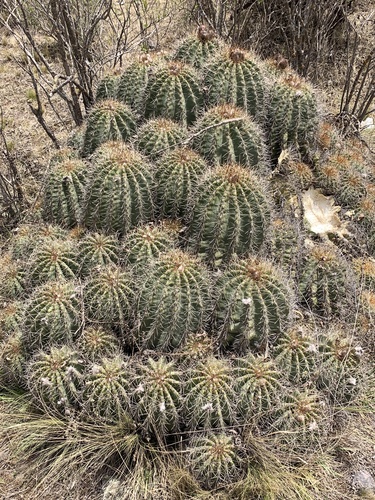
[(174, 291)]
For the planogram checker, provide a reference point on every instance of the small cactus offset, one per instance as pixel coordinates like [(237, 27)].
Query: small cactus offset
[(13, 281), (109, 296), (97, 250), (107, 88), (210, 399), (226, 134), (13, 357), (106, 393), (292, 116), (197, 346), (118, 196), (177, 177), (173, 301), (53, 314), (296, 353), (174, 92), (257, 384), (54, 260), (133, 82), (29, 236), (95, 343), (158, 397), (215, 459), (300, 411), (253, 304), (230, 215), (63, 193), (197, 50), (323, 280), (157, 137), (284, 243), (55, 378), (109, 120), (146, 243), (11, 317), (235, 77)]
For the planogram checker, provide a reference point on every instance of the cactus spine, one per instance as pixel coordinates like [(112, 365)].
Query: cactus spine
[(118, 196), (197, 50), (253, 304), (97, 249), (159, 136), (230, 215), (109, 120), (174, 300), (95, 343)]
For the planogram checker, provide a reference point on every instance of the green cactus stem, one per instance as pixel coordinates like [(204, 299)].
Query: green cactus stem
[(97, 250), (210, 400), (27, 237), (197, 50), (235, 78), (13, 357), (13, 283), (253, 304), (107, 88), (174, 92), (157, 137), (109, 120), (133, 82), (157, 397), (173, 301), (63, 193), (96, 343), (230, 215), (118, 195), (177, 176), (226, 134)]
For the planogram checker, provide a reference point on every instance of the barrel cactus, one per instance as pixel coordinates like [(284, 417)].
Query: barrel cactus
[(148, 242), (197, 50), (226, 134), (252, 305), (13, 356), (292, 117), (174, 92), (235, 77), (210, 399), (53, 314), (27, 237), (159, 136), (215, 459), (96, 343), (97, 250), (55, 378), (107, 88), (174, 300), (158, 397), (63, 193), (118, 195), (300, 411), (133, 81), (109, 120), (197, 346), (13, 283), (230, 215), (11, 317), (106, 395), (177, 176)]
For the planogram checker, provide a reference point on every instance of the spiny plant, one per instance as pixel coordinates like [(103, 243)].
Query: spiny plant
[(96, 343), (158, 396), (284, 243), (55, 378), (173, 301), (210, 400), (63, 192), (197, 50), (52, 314), (13, 283), (146, 243), (97, 250), (107, 88), (323, 280), (13, 356), (106, 393), (27, 237), (226, 134), (157, 137), (109, 296), (292, 115), (109, 120), (197, 346), (118, 195), (365, 271), (295, 353), (230, 215), (300, 410), (257, 384), (174, 92), (177, 176), (53, 260), (235, 77), (11, 317), (215, 459), (253, 304), (133, 81), (290, 178)]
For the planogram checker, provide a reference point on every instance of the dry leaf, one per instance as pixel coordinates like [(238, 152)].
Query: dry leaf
[(321, 213)]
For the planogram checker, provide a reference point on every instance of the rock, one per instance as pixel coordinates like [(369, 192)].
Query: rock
[(363, 482)]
